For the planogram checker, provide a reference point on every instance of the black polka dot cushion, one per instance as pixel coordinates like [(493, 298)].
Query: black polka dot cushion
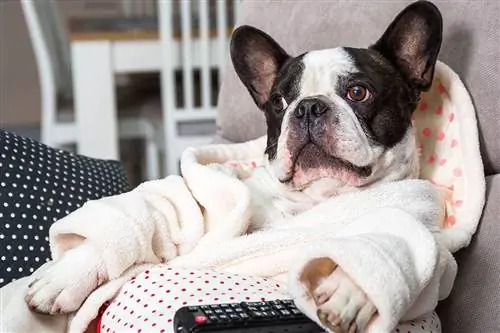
[(39, 185)]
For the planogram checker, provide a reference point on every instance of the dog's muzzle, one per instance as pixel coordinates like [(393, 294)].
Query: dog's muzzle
[(312, 144)]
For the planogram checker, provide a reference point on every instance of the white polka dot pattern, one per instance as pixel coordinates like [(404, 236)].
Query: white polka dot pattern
[(39, 185), (428, 323)]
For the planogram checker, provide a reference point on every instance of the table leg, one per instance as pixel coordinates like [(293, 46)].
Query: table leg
[(95, 100)]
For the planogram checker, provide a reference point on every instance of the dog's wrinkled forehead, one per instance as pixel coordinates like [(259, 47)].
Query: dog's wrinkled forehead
[(322, 70), (314, 73)]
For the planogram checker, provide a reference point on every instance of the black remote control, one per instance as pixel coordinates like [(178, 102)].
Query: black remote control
[(277, 316)]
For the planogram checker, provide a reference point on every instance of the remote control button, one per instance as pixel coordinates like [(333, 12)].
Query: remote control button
[(215, 306), (264, 308), (253, 308), (219, 311), (256, 304), (273, 313), (238, 310), (200, 319), (257, 314), (234, 316), (205, 307), (244, 316), (229, 310), (213, 319), (224, 306), (285, 313), (193, 308), (296, 312), (223, 317), (279, 307), (208, 312), (265, 314)]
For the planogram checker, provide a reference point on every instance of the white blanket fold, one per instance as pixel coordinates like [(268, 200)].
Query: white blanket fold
[(147, 224), (392, 257), (383, 237)]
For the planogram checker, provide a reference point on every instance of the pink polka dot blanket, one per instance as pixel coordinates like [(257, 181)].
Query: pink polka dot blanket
[(186, 240), (148, 303), (446, 131)]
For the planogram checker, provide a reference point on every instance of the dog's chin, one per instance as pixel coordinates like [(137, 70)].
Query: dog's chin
[(312, 163)]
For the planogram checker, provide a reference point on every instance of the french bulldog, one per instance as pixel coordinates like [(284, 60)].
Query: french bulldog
[(338, 120)]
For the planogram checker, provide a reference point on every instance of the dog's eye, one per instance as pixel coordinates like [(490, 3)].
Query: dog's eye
[(278, 102), (358, 94)]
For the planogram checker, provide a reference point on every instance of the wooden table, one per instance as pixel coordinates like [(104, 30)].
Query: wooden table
[(101, 48)]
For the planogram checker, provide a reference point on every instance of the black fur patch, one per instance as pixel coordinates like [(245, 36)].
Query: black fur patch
[(387, 116), (286, 85)]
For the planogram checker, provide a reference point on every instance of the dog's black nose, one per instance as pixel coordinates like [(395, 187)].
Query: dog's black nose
[(312, 106)]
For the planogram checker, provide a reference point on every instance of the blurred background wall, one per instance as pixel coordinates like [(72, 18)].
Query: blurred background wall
[(19, 88), (20, 100), (19, 83)]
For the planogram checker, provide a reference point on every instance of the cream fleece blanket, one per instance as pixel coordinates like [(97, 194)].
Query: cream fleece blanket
[(391, 239)]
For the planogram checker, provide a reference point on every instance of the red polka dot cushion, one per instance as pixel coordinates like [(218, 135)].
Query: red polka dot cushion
[(447, 138), (148, 303)]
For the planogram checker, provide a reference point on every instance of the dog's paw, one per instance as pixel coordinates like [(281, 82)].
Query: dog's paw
[(67, 283), (341, 305)]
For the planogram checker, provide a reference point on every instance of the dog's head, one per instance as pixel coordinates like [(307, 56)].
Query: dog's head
[(342, 113)]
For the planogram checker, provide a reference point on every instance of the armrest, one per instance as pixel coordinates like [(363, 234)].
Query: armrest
[(473, 303)]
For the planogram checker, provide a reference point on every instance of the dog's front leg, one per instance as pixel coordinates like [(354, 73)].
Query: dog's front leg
[(64, 286), (342, 305)]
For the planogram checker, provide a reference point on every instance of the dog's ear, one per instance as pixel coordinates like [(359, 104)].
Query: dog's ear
[(412, 42), (257, 59)]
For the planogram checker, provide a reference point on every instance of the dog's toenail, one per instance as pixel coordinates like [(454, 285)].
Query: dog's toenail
[(32, 283), (334, 319), (321, 298), (321, 315)]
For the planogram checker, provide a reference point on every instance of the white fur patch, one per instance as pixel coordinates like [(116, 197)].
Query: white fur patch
[(322, 69)]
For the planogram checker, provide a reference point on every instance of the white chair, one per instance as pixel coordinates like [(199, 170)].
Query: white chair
[(51, 48), (199, 48)]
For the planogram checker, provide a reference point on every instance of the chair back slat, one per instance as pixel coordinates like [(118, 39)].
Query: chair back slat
[(50, 43), (205, 63), (52, 56), (222, 27), (187, 55)]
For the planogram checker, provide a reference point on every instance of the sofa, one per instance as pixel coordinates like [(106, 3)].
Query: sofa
[(471, 47)]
